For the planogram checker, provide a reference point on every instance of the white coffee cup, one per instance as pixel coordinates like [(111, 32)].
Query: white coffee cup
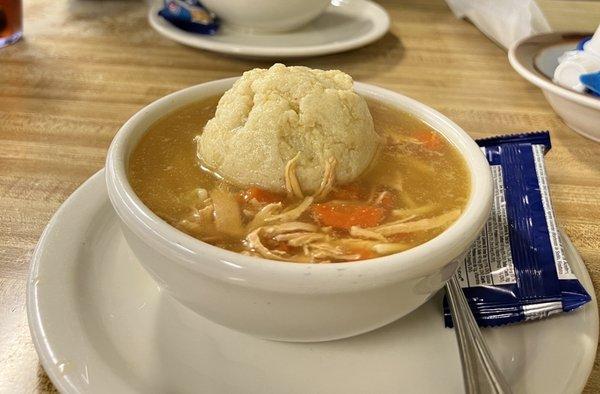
[(267, 15)]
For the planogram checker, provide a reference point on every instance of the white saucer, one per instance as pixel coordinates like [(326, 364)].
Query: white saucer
[(100, 324), (345, 25)]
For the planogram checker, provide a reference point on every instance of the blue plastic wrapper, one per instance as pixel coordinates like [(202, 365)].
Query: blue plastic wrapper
[(516, 269), (190, 15), (591, 82), (582, 42)]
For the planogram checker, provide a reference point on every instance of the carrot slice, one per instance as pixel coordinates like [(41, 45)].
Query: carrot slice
[(430, 140), (344, 216), (260, 195)]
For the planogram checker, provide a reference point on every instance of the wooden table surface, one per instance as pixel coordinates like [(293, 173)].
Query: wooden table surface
[(85, 67)]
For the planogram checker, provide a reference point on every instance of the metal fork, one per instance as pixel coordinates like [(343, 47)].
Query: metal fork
[(480, 372)]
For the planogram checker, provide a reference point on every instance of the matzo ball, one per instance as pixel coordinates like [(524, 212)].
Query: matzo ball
[(271, 115)]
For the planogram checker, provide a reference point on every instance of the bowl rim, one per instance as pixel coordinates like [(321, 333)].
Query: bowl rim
[(427, 258), (516, 62)]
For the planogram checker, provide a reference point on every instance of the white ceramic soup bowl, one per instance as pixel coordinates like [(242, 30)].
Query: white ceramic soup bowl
[(267, 15), (291, 301)]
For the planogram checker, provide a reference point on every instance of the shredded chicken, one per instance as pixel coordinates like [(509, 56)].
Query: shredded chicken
[(227, 213), (252, 208), (328, 180), (289, 227), (254, 204), (205, 214), (400, 227), (266, 212), (423, 209), (270, 228), (300, 239), (292, 185), (389, 248), (357, 243), (316, 246), (197, 197), (360, 232), (380, 196), (201, 220), (254, 242), (323, 250), (291, 214), (189, 225), (400, 139)]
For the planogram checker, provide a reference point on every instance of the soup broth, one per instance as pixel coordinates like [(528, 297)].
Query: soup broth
[(414, 190)]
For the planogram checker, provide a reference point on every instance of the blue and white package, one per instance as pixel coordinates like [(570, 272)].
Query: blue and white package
[(190, 15), (516, 269), (592, 82)]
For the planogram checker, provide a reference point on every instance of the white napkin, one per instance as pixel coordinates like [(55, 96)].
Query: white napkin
[(503, 21)]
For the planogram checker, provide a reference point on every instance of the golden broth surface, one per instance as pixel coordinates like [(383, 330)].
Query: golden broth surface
[(427, 174)]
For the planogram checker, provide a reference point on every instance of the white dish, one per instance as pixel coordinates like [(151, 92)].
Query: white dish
[(267, 15), (301, 301), (535, 59), (345, 25), (100, 324)]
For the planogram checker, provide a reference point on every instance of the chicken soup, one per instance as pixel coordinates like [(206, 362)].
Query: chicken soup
[(414, 186)]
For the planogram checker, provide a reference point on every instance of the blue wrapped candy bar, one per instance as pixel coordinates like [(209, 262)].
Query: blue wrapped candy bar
[(190, 15), (516, 270)]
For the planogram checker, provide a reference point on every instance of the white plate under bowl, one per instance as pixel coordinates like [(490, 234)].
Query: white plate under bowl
[(345, 25), (535, 59), (101, 325)]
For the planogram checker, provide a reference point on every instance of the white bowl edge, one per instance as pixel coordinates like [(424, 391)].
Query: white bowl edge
[(385, 269)]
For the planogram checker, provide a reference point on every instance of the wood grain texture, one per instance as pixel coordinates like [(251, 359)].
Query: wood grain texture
[(85, 67), (561, 14)]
